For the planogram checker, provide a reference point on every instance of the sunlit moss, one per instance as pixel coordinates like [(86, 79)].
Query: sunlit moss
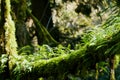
[(10, 40), (9, 26)]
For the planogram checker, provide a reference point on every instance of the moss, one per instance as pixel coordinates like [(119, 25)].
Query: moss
[(81, 60), (55, 67), (9, 26), (10, 40)]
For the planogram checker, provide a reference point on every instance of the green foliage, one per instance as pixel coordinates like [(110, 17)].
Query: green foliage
[(98, 34), (98, 45), (3, 61), (44, 51), (26, 50), (44, 56)]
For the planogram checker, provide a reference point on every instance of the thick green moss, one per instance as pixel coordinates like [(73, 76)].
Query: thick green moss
[(9, 26), (56, 67), (10, 40)]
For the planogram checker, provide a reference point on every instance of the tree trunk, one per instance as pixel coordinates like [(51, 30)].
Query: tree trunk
[(2, 30), (7, 36), (5, 74), (2, 40), (9, 26), (10, 40)]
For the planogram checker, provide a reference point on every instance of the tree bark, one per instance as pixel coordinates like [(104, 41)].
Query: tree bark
[(2, 30), (5, 74), (8, 45), (2, 40)]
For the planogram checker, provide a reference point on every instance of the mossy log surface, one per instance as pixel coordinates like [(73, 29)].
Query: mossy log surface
[(67, 63), (58, 65), (86, 57)]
